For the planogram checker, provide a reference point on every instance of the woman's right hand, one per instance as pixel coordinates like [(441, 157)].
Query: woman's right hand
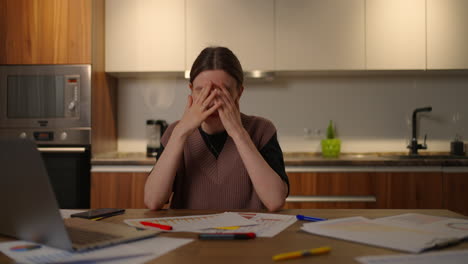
[(198, 108)]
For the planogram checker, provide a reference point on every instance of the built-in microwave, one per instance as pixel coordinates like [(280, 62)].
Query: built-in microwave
[(50, 104)]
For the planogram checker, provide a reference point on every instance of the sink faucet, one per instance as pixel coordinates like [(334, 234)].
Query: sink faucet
[(414, 146)]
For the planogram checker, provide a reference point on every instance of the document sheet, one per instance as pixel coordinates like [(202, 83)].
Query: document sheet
[(267, 225), (408, 232), (194, 223), (134, 252), (445, 257)]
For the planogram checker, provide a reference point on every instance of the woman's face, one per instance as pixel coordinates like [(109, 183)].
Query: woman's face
[(218, 78)]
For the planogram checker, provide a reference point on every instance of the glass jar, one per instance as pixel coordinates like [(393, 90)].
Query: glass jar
[(153, 138)]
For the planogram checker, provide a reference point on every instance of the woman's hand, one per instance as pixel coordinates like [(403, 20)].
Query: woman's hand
[(198, 109), (229, 112)]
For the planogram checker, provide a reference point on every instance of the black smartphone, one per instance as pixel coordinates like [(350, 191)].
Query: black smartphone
[(101, 212)]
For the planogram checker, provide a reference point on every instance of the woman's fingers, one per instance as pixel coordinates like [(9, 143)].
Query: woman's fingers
[(212, 108), (205, 92), (226, 95), (208, 100)]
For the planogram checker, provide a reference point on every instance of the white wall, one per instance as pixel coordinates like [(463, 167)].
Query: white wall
[(371, 113)]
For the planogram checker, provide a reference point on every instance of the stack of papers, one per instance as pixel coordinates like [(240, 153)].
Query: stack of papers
[(263, 225), (407, 232)]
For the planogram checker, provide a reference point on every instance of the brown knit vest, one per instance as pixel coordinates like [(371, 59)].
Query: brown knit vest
[(204, 182)]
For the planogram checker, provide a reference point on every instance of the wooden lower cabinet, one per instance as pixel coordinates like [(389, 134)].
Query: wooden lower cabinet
[(456, 192), (328, 187), (118, 189), (391, 190), (410, 190)]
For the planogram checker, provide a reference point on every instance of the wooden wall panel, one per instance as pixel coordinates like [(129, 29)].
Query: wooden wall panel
[(104, 93)]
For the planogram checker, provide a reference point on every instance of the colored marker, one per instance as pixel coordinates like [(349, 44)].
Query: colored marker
[(164, 227), (226, 236), (302, 253), (308, 218)]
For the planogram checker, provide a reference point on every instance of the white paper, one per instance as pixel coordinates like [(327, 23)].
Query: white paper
[(267, 225), (135, 252), (449, 226), (194, 222), (372, 232), (446, 257)]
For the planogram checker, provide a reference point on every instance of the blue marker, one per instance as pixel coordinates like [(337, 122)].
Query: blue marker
[(308, 218)]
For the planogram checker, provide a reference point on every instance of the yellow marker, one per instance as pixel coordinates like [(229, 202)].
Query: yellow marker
[(97, 218), (228, 227), (302, 253)]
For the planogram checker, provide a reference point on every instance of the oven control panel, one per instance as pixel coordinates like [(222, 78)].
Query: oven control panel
[(50, 137)]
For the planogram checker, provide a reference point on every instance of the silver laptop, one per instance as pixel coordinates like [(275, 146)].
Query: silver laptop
[(29, 209)]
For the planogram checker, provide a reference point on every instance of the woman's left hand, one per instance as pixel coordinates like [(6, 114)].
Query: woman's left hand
[(229, 112)]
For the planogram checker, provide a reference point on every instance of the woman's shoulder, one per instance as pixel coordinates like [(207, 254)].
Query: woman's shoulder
[(252, 121), (260, 129)]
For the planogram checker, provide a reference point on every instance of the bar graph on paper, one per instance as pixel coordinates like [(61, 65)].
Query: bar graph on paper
[(267, 225)]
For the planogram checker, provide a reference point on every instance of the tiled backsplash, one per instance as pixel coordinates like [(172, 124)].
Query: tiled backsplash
[(371, 113)]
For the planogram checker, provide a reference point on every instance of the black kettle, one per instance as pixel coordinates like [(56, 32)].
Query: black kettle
[(154, 131)]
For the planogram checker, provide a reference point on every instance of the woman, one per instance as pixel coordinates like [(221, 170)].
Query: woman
[(216, 157)]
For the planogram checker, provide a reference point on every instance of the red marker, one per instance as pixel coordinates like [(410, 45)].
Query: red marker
[(164, 227)]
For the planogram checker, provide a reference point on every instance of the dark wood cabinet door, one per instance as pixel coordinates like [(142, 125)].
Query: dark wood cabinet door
[(456, 192), (118, 189), (410, 190)]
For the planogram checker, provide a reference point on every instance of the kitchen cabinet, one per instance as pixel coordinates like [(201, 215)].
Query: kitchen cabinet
[(456, 192), (447, 34), (245, 26), (396, 34), (332, 190), (320, 35), (374, 189), (118, 189), (145, 35), (410, 190), (45, 32)]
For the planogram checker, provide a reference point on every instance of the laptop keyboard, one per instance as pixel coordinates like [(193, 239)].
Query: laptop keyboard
[(82, 237)]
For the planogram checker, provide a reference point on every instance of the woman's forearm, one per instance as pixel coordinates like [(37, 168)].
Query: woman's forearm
[(158, 187), (267, 183)]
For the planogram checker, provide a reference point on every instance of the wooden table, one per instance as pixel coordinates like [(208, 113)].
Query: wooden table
[(260, 250)]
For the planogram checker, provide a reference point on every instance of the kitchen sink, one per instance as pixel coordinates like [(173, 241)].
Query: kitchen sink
[(429, 157)]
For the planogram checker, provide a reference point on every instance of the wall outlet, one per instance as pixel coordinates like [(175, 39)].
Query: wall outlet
[(309, 133)]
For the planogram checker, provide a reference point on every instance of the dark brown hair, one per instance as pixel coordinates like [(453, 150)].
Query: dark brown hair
[(218, 58)]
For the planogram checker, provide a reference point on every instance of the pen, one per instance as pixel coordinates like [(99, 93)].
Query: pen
[(98, 218), (302, 253), (226, 236), (308, 218), (164, 227)]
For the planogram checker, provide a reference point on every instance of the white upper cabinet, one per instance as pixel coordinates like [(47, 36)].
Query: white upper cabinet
[(244, 26), (447, 34), (396, 34), (145, 35), (320, 35)]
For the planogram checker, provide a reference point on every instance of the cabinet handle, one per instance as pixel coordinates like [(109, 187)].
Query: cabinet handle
[(330, 198), (58, 150)]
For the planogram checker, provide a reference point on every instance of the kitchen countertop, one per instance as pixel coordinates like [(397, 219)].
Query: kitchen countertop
[(311, 159)]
